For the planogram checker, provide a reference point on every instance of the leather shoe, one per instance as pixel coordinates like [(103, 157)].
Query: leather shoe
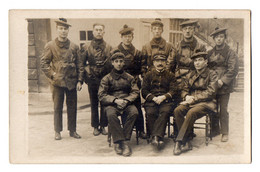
[(186, 147), (224, 138), (142, 135), (177, 149), (118, 148), (75, 135), (155, 141), (160, 144), (57, 136), (96, 132), (103, 131), (127, 151)]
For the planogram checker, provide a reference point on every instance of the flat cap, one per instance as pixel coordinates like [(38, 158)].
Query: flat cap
[(199, 54), (159, 56), (62, 22), (157, 21), (126, 30), (189, 23), (218, 31), (117, 54)]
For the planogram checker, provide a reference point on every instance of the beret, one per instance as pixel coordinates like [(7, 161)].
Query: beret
[(62, 22), (189, 23), (218, 31), (157, 21), (126, 29)]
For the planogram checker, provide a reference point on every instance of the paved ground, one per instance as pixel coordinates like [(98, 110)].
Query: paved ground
[(42, 144)]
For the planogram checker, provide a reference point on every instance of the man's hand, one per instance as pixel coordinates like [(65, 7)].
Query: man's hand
[(188, 100), (220, 83), (160, 99), (79, 86), (121, 104)]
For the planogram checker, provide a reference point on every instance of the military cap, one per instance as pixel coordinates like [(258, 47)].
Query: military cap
[(157, 21), (189, 23), (62, 22), (199, 54), (126, 30), (117, 54), (159, 56), (218, 31)]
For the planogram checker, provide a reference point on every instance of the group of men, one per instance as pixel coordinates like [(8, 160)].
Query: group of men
[(185, 81)]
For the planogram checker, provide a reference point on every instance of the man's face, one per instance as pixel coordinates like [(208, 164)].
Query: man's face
[(127, 39), (200, 63), (98, 32), (118, 63), (62, 31), (159, 64), (188, 31), (157, 31), (220, 39)]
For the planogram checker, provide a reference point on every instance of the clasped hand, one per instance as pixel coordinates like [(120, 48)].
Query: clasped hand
[(121, 103), (158, 100)]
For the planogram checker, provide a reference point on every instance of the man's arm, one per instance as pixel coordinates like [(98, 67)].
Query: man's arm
[(144, 60), (46, 60), (171, 60), (134, 92), (82, 58), (146, 86), (103, 96)]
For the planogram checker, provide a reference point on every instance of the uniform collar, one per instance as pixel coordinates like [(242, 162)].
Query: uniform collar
[(98, 44), (65, 44), (158, 43), (191, 44), (131, 49), (115, 75)]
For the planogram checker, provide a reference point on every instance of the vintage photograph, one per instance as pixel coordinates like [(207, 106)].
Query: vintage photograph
[(130, 86)]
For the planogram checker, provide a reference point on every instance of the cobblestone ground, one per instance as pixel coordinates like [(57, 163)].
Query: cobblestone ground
[(41, 141)]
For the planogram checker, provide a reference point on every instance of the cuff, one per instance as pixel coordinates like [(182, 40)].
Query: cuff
[(168, 96), (149, 97)]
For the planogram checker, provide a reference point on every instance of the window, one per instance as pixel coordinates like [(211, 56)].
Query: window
[(175, 31), (90, 35), (82, 35)]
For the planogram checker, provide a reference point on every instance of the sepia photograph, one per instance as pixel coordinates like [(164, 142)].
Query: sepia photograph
[(130, 86)]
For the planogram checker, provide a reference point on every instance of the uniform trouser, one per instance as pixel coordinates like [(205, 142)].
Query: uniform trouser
[(223, 113), (139, 123), (93, 95), (71, 102), (157, 117), (185, 124), (128, 116)]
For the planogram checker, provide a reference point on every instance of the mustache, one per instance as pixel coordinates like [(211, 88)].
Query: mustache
[(159, 65)]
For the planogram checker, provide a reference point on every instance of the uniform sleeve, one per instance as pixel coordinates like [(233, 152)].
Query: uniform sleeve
[(103, 96), (210, 92), (232, 69), (134, 91), (185, 89), (46, 61), (83, 57), (144, 60), (147, 95), (171, 61), (172, 87)]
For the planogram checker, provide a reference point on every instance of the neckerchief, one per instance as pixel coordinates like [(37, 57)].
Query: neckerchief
[(65, 44), (131, 49), (191, 44), (117, 75), (98, 44), (160, 43)]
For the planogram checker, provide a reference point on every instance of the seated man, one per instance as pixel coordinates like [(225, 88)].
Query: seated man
[(117, 92), (199, 99), (158, 89)]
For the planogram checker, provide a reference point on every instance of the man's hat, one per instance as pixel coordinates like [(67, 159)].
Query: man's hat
[(199, 54), (159, 56), (62, 22), (218, 31), (117, 54), (126, 30), (157, 21), (189, 23)]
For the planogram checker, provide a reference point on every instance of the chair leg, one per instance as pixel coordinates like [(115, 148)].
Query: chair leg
[(109, 136), (207, 129), (169, 127), (137, 134)]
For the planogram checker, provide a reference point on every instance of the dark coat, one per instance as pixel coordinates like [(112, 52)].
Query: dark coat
[(60, 63), (94, 61), (202, 86), (158, 83), (152, 48), (225, 63), (180, 62), (115, 85)]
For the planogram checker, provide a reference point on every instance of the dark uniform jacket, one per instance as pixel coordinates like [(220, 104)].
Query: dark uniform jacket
[(94, 62), (115, 85), (225, 63), (151, 48), (157, 83), (59, 63), (180, 62), (202, 86), (133, 59)]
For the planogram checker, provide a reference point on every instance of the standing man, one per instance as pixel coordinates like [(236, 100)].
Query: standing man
[(158, 90), (117, 92), (180, 62), (95, 64), (156, 45), (225, 62), (199, 98), (59, 64), (132, 65)]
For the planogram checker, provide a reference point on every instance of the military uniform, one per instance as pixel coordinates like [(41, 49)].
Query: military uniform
[(225, 62), (94, 65), (59, 63), (158, 83)]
